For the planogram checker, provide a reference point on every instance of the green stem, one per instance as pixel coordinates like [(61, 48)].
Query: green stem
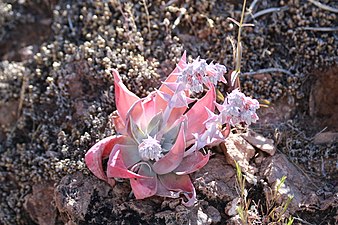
[(239, 46)]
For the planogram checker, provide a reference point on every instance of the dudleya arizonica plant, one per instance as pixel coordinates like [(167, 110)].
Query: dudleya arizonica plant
[(160, 138)]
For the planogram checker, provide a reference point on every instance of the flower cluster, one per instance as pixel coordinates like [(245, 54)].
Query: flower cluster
[(159, 137), (238, 108), (199, 73)]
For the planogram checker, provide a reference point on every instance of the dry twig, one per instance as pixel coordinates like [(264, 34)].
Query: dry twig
[(323, 29), (25, 81), (147, 13), (323, 6), (269, 70), (266, 11), (303, 221)]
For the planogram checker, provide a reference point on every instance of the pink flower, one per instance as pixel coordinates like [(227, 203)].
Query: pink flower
[(198, 73), (153, 135), (238, 108)]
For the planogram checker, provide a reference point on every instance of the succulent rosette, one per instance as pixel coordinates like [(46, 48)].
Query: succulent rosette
[(157, 143), (159, 138)]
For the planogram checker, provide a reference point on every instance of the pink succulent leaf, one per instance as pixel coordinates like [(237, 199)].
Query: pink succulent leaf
[(160, 104), (144, 187), (180, 184), (197, 114), (174, 157), (192, 163), (173, 110), (194, 145), (173, 75), (116, 166), (176, 115), (111, 182), (155, 124), (145, 109), (165, 96), (183, 62), (137, 113), (123, 97), (164, 192), (98, 152), (175, 86), (151, 106), (164, 93), (119, 124)]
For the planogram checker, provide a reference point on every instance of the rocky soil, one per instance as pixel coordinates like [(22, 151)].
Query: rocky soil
[(56, 99)]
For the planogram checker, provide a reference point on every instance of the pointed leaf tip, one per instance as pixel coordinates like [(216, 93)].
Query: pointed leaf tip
[(123, 97)]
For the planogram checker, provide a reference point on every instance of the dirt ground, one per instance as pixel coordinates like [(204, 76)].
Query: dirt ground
[(57, 96)]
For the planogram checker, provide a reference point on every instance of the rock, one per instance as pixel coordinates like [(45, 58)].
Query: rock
[(73, 196), (323, 99), (326, 138), (330, 202), (167, 216), (260, 142), (216, 180), (144, 208), (79, 197), (39, 204), (278, 111), (231, 208), (201, 214), (296, 184), (207, 216), (234, 221), (180, 216), (214, 214), (171, 203), (259, 158), (236, 148)]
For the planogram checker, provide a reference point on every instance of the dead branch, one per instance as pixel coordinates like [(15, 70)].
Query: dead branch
[(323, 6)]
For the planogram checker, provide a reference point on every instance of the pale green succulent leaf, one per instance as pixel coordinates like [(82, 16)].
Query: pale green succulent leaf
[(169, 138), (155, 124), (135, 131)]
